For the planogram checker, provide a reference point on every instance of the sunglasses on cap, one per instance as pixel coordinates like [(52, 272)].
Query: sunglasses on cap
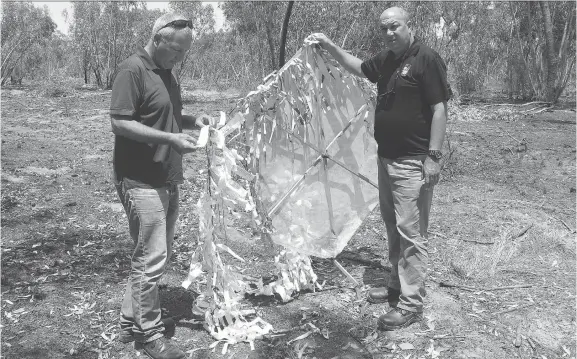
[(178, 24)]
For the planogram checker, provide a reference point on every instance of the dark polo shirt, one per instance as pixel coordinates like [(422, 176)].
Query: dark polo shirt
[(418, 80), (145, 93)]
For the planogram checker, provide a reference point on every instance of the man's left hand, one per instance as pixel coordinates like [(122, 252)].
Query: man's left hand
[(431, 171)]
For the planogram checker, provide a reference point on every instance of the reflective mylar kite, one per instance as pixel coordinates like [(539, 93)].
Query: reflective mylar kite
[(309, 129), (307, 179)]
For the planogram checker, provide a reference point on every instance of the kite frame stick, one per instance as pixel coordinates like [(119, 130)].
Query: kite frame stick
[(324, 154), (347, 274), (292, 189)]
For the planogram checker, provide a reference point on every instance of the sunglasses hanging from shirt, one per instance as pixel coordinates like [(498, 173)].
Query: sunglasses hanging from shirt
[(388, 98)]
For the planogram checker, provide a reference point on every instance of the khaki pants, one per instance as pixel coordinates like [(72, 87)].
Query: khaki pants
[(405, 203)]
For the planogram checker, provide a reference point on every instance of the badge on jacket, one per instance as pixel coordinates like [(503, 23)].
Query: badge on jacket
[(406, 70)]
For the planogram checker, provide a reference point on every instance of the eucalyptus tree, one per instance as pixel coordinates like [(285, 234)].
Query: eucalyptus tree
[(24, 27), (105, 33), (526, 49), (544, 35)]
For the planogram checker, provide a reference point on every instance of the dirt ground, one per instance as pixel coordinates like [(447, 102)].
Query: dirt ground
[(502, 245)]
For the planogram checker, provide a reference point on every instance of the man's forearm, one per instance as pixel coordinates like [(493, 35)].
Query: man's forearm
[(438, 126), (138, 132), (351, 63)]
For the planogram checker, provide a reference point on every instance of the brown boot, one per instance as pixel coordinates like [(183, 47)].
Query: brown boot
[(160, 348), (126, 336), (397, 318), (384, 295)]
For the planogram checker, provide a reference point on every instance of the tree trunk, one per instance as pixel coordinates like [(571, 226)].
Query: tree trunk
[(268, 29), (565, 57), (287, 15), (6, 58), (552, 60), (534, 84), (98, 76)]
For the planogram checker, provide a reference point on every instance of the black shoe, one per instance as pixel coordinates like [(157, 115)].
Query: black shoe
[(384, 295), (397, 318), (161, 349), (126, 336)]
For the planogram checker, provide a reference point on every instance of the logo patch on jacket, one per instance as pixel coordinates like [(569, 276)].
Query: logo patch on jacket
[(406, 70)]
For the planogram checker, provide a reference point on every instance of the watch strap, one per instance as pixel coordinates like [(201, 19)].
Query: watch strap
[(436, 154)]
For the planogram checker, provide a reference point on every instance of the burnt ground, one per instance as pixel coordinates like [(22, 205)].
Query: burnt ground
[(502, 245)]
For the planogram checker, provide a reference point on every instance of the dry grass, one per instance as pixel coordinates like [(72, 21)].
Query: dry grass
[(497, 193), (59, 259), (58, 87)]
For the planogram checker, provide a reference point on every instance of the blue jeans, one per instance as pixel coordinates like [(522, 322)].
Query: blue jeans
[(405, 203), (152, 215)]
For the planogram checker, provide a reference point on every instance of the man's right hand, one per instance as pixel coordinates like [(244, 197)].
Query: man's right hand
[(183, 143), (322, 39), (348, 61)]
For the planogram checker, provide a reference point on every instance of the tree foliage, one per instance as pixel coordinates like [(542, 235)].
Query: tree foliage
[(524, 49), (25, 27), (106, 33), (544, 34)]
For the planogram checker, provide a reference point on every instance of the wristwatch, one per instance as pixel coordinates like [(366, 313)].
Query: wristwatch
[(435, 154)]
